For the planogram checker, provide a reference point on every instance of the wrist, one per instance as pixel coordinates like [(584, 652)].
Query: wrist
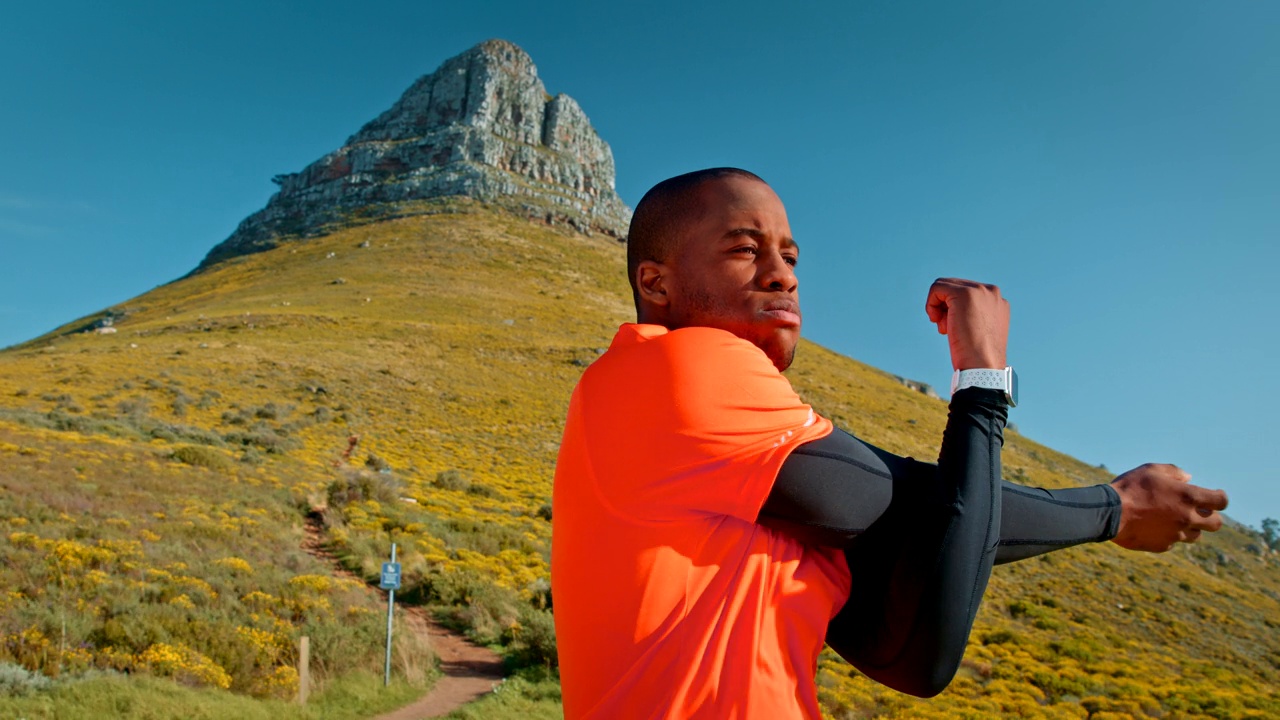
[(1003, 379), (975, 363)]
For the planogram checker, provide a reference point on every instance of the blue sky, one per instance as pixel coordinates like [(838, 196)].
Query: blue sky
[(1114, 167)]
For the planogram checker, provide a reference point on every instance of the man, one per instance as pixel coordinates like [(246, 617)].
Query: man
[(710, 530)]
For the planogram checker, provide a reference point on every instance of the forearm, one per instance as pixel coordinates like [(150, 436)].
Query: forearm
[(1035, 521), (831, 490), (923, 565)]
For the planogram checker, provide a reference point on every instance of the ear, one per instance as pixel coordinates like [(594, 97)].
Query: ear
[(652, 278)]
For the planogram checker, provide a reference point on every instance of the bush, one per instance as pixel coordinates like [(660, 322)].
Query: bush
[(264, 438), (533, 641), (483, 491), (270, 411), (487, 612), (1000, 637), (18, 681), (360, 485), (201, 456), (452, 480)]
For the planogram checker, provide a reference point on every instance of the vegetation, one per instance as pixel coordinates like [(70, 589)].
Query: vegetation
[(155, 485), (1271, 533)]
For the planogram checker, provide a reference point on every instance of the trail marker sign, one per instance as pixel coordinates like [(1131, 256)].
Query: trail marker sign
[(390, 582), (390, 576)]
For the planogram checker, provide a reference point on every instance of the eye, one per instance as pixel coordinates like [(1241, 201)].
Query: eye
[(746, 249), (791, 260)]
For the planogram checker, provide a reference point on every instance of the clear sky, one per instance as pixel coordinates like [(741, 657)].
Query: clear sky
[(1114, 167)]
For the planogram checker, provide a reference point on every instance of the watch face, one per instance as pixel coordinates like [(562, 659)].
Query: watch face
[(1013, 387)]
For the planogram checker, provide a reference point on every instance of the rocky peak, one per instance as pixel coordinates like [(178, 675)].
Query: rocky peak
[(481, 126)]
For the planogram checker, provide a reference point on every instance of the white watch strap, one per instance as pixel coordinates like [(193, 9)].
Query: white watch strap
[(980, 377), (1006, 380)]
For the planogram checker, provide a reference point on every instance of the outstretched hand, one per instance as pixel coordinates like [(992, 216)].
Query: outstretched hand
[(1159, 507), (975, 320)]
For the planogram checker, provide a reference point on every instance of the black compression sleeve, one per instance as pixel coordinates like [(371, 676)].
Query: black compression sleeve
[(919, 539), (919, 571), (831, 490)]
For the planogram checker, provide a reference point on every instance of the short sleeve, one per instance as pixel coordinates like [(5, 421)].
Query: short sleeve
[(693, 422)]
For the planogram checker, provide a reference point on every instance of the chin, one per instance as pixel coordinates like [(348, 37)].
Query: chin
[(781, 354)]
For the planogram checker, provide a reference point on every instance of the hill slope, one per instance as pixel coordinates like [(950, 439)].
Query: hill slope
[(218, 414)]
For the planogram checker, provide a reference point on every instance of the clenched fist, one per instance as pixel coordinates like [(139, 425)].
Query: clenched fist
[(975, 320), (1159, 507)]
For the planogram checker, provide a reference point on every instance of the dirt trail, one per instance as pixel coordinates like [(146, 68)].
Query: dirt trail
[(470, 671)]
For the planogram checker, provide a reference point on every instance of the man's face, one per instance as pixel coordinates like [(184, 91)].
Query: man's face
[(734, 268)]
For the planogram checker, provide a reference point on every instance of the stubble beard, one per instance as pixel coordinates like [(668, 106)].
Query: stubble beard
[(704, 309)]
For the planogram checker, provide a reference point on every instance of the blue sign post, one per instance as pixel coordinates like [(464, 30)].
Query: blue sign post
[(390, 582), (390, 575)]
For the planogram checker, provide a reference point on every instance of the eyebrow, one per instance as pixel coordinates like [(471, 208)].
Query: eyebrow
[(759, 235)]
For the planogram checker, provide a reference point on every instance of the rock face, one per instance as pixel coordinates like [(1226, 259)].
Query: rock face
[(481, 126), (923, 388)]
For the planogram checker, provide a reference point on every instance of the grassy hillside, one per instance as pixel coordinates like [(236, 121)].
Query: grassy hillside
[(156, 482)]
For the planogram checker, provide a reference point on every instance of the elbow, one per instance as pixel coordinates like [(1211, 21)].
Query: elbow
[(921, 678), (928, 683), (933, 684)]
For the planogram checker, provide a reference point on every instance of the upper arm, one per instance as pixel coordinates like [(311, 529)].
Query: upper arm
[(831, 489)]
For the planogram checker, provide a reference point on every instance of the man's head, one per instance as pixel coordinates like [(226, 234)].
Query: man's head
[(713, 248)]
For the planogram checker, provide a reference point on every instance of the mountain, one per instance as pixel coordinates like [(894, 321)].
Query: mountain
[(481, 126), (399, 371)]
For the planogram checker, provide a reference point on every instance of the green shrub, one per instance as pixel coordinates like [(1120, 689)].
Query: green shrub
[(360, 485), (1000, 637), (201, 456), (485, 611), (18, 681), (533, 641), (264, 438), (483, 491), (451, 480)]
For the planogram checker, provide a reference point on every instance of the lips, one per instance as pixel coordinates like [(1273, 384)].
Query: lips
[(785, 312)]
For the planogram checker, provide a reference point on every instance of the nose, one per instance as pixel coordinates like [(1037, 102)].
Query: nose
[(776, 273)]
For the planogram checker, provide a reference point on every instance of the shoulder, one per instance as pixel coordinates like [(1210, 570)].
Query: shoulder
[(693, 348), (681, 372)]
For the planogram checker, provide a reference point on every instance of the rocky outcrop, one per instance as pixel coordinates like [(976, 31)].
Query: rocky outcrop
[(481, 126), (923, 388)]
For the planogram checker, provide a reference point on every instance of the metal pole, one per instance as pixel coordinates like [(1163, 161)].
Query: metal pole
[(391, 601), (304, 669)]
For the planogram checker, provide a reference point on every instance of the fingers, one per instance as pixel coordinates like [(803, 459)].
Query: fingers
[(1173, 471), (1211, 522), (1205, 504), (935, 305), (1205, 498), (975, 318)]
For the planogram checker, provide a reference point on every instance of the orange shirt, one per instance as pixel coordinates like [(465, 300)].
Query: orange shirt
[(670, 602)]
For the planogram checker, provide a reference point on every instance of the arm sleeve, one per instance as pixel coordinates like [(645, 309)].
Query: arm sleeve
[(920, 539), (830, 490), (921, 568)]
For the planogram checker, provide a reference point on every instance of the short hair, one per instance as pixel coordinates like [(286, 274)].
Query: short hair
[(661, 213)]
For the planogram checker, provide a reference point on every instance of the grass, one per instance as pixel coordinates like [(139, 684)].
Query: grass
[(528, 695), (354, 697), (420, 402)]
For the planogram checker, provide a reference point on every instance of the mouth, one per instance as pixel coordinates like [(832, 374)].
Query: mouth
[(783, 312)]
